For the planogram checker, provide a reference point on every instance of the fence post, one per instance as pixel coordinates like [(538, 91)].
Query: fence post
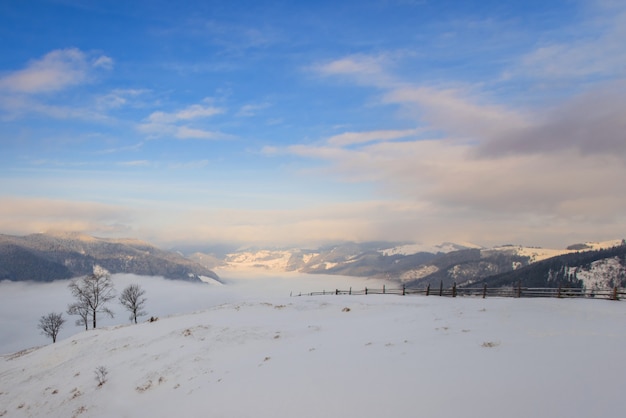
[(454, 290), (484, 290), (428, 290), (383, 289), (350, 291), (336, 291), (615, 297), (441, 288), (519, 289), (366, 290), (403, 290), (558, 295)]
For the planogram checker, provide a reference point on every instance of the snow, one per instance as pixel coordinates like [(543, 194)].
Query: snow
[(537, 254), (446, 247), (253, 351), (601, 274), (274, 260), (418, 273)]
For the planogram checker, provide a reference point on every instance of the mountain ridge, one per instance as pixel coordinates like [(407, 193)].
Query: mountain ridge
[(56, 256), (406, 263)]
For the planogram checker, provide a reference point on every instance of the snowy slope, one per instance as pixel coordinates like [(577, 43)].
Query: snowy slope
[(336, 356), (445, 247), (601, 274), (271, 260), (537, 253)]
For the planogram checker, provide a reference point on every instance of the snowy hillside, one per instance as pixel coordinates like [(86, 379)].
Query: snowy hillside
[(445, 247), (601, 274), (537, 253), (270, 260), (335, 356)]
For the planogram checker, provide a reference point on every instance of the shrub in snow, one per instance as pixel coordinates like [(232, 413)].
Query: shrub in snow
[(101, 375)]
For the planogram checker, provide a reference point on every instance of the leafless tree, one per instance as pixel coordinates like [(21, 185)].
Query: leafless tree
[(92, 293), (51, 324), (132, 299), (82, 311)]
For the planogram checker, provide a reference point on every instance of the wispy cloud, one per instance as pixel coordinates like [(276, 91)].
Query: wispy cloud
[(135, 163), (33, 89), (365, 69), (350, 138), (237, 37), (600, 55), (176, 124), (462, 113), (15, 106), (184, 132), (197, 111), (250, 110), (57, 70), (118, 98)]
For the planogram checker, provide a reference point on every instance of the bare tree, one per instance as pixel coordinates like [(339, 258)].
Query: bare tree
[(92, 292), (82, 311), (132, 299), (51, 324)]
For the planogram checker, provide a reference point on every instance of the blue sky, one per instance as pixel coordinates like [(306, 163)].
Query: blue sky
[(284, 123)]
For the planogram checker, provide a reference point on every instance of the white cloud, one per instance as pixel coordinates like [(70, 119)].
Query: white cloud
[(349, 138), (15, 106), (118, 98), (250, 110), (184, 132), (135, 163), (197, 111), (103, 62), (456, 111), (365, 69), (57, 70), (29, 90), (159, 123), (598, 50)]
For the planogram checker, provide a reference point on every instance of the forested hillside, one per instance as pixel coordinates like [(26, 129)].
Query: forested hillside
[(600, 268), (48, 257)]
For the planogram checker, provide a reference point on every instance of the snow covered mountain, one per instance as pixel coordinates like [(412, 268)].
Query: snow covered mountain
[(334, 356), (415, 264), (356, 259)]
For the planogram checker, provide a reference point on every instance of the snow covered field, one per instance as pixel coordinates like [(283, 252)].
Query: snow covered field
[(251, 350)]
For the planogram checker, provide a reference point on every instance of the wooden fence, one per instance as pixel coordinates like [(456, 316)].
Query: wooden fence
[(484, 291)]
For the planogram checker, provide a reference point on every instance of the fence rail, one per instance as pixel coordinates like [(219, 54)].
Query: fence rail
[(512, 291)]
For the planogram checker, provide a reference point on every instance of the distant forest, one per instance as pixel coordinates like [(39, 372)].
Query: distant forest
[(554, 272)]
